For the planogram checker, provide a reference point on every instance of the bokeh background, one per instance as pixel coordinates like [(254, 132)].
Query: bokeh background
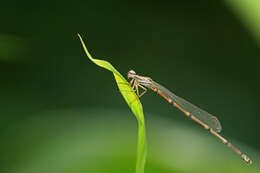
[(61, 113)]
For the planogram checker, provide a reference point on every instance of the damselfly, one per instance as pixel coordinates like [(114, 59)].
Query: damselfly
[(203, 118)]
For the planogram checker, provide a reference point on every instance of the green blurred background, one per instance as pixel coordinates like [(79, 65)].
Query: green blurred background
[(61, 113)]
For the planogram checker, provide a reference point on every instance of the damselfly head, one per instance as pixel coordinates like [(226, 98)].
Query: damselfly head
[(131, 74)]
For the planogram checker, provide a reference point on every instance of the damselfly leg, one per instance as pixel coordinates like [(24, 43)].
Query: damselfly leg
[(135, 85)]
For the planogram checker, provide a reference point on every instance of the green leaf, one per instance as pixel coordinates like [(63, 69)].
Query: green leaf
[(133, 102)]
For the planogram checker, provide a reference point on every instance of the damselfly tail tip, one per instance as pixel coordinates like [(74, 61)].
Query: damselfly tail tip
[(246, 159)]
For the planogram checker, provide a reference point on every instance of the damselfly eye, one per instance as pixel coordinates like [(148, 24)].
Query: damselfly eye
[(131, 72)]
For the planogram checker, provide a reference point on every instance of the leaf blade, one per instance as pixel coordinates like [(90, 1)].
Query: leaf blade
[(133, 102)]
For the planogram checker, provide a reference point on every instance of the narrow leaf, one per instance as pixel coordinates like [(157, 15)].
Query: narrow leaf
[(133, 102)]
